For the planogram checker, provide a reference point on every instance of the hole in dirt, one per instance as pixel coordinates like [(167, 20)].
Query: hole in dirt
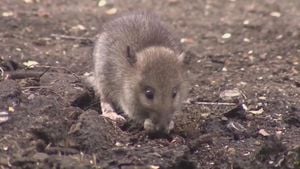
[(238, 112), (293, 117), (86, 101), (184, 163), (297, 84), (133, 127), (41, 135), (160, 135), (9, 65)]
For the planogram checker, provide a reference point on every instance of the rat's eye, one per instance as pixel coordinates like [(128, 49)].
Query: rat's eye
[(149, 93)]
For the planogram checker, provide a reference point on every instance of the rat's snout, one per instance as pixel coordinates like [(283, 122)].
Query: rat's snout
[(158, 126), (160, 120)]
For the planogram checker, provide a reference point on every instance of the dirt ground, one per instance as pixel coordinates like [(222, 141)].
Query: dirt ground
[(243, 110)]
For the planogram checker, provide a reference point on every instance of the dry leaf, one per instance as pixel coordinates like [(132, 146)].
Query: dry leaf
[(11, 109), (230, 94), (30, 63), (263, 132)]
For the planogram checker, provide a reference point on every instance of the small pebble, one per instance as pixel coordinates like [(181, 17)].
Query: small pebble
[(154, 167), (242, 84), (257, 112), (279, 37), (111, 11), (246, 40), (40, 156), (102, 3), (226, 36), (279, 133), (275, 14), (4, 117), (236, 127), (7, 14), (77, 28), (5, 148), (258, 143), (118, 144), (187, 40), (262, 98), (28, 1), (205, 115), (247, 153), (246, 22)]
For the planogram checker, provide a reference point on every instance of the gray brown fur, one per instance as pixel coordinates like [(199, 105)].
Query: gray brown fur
[(156, 61)]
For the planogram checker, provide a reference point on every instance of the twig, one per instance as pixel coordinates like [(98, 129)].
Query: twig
[(216, 103), (24, 74), (37, 87), (44, 72), (63, 68), (70, 37), (63, 150)]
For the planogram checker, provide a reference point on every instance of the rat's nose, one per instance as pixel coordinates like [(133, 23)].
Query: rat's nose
[(164, 127)]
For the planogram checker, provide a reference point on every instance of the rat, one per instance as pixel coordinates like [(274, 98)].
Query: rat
[(139, 69)]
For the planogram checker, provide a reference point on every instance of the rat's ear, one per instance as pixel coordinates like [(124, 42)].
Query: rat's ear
[(131, 55)]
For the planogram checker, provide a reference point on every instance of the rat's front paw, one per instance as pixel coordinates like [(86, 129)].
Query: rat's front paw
[(149, 126), (171, 126), (108, 112), (118, 119)]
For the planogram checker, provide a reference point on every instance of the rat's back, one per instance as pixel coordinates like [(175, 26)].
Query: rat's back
[(140, 30)]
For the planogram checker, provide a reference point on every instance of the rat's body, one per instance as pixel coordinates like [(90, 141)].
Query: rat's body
[(139, 69)]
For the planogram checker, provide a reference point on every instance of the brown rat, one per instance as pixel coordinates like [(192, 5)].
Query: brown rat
[(139, 69)]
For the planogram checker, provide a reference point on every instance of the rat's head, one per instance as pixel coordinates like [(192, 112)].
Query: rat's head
[(162, 86)]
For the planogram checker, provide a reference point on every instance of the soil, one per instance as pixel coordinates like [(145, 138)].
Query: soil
[(243, 110)]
